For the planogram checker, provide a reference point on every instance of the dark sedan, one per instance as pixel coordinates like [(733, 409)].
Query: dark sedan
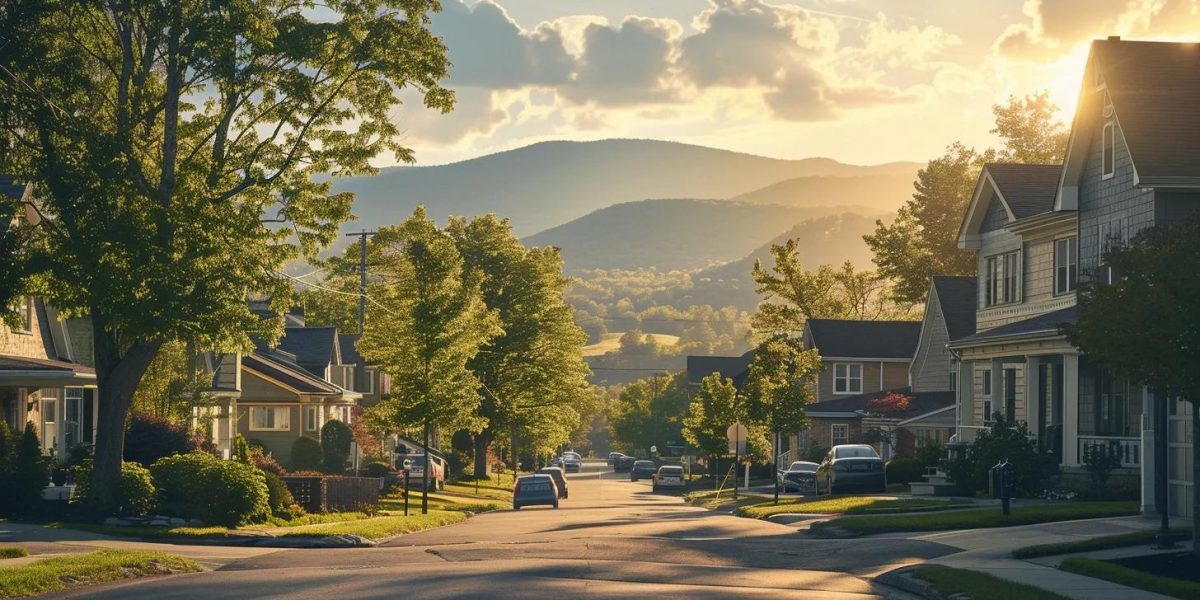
[(852, 467), (642, 469), (623, 464), (800, 476)]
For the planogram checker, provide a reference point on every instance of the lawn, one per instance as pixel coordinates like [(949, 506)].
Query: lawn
[(847, 504), (490, 491), (13, 552), (1120, 540), (145, 532), (978, 586), (1179, 588), (712, 499), (378, 528), (977, 519), (64, 572)]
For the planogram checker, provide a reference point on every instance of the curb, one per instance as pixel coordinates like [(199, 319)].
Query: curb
[(901, 580)]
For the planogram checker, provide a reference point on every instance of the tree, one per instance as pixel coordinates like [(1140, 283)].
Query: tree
[(1143, 326), (923, 239), (532, 375), (430, 321), (336, 438), (792, 295), (779, 387), (713, 409), (172, 384), (176, 148), (649, 411)]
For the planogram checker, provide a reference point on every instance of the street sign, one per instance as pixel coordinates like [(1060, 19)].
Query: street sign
[(653, 449), (736, 434), (407, 464)]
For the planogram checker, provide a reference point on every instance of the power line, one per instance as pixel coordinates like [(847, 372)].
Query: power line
[(331, 290), (662, 370), (747, 321)]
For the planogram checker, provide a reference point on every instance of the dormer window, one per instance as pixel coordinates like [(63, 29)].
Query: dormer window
[(1001, 281), (1108, 106), (1109, 159)]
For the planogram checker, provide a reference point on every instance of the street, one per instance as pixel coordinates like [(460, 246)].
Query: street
[(611, 539)]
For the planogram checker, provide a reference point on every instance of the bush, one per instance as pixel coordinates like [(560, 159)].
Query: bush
[(1099, 460), (180, 479), (904, 470), (931, 454), (267, 463), (137, 496), (1031, 466), (280, 499), (457, 462), (241, 450), (307, 454), (149, 438), (30, 472), (377, 469), (335, 443), (222, 492)]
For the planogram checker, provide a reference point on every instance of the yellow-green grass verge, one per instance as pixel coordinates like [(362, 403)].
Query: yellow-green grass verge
[(77, 570), (378, 528), (974, 519), (489, 492), (146, 532), (13, 552), (948, 582), (1090, 567), (1106, 542), (308, 519), (847, 504), (713, 499)]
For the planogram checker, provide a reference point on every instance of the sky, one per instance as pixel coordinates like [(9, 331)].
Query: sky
[(860, 81)]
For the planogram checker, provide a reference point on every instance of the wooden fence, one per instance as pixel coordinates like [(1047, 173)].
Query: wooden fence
[(318, 494)]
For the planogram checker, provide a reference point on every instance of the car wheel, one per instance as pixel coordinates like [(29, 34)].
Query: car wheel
[(654, 488), (555, 506), (516, 507)]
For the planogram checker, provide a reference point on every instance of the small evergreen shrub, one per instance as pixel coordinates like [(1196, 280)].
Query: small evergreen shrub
[(137, 496), (30, 472), (280, 499), (267, 463), (241, 449), (222, 492), (149, 438), (376, 469), (335, 443), (307, 454)]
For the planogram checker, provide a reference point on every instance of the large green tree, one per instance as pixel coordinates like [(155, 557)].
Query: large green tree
[(649, 412), (428, 320), (1145, 326), (533, 374), (174, 146), (923, 239), (713, 409)]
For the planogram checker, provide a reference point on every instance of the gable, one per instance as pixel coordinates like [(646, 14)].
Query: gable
[(996, 216)]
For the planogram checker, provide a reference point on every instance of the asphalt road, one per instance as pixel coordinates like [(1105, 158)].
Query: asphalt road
[(611, 539)]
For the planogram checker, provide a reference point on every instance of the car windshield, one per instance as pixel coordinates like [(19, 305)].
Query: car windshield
[(803, 466), (643, 464), (856, 452), (551, 471), (671, 471)]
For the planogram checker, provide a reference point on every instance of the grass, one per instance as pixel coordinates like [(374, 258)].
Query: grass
[(978, 586), (978, 519), (847, 504), (379, 528), (712, 499), (65, 572), (611, 342), (13, 552), (1115, 573), (1120, 540), (145, 532), (490, 492)]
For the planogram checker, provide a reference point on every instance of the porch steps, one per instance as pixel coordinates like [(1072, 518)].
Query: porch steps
[(936, 484)]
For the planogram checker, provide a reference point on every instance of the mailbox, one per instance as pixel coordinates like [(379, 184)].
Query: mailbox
[(1002, 483)]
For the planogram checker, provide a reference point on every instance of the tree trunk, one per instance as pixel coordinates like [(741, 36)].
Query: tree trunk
[(425, 472), (117, 377), (482, 442), (1195, 481)]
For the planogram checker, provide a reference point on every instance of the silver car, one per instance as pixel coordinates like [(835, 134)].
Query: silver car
[(800, 476), (668, 476), (532, 490)]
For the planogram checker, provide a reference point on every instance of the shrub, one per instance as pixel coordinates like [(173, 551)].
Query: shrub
[(180, 479), (307, 454), (279, 498), (904, 470), (223, 492), (815, 454), (1031, 466), (335, 443), (29, 473), (267, 463), (377, 469), (457, 462), (77, 454), (136, 497), (241, 449), (1099, 460), (931, 454), (149, 438)]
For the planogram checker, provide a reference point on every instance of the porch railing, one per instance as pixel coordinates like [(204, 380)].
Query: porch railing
[(1127, 449)]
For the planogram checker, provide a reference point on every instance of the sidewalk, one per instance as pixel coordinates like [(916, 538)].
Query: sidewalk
[(990, 551)]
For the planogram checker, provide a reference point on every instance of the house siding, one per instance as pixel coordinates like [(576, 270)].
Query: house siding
[(995, 218), (29, 344), (895, 375), (930, 369), (1113, 203), (1175, 206), (992, 244)]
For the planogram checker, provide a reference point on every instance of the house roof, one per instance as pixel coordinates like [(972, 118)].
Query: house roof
[(1155, 91), (957, 297), (733, 367), (35, 372), (21, 363), (922, 403), (837, 338), (314, 347), (1028, 190), (1048, 323), (289, 374), (347, 343)]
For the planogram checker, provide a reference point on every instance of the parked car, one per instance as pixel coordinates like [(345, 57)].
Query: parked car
[(800, 476), (560, 480), (533, 490), (572, 462), (668, 476), (852, 467), (416, 472), (623, 464), (557, 461), (612, 457), (642, 469)]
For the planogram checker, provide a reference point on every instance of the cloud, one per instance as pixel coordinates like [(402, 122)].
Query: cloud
[(488, 49), (626, 65), (1054, 27), (474, 112)]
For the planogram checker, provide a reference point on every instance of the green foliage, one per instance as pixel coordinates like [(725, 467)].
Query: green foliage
[(930, 455), (1135, 578), (307, 454), (948, 582), (377, 468), (172, 384), (779, 385), (648, 410), (266, 462), (1003, 441), (223, 492), (713, 409), (279, 497), (149, 438), (905, 470), (1099, 460), (335, 445), (156, 163), (180, 479), (30, 472), (815, 454), (135, 496), (75, 570), (241, 450), (1031, 130)]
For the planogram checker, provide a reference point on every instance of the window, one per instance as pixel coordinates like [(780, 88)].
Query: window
[(270, 418), (1066, 264), (72, 423), (987, 396), (1010, 395), (23, 306), (342, 413), (802, 441), (1112, 396), (987, 412), (1111, 235), (312, 418), (368, 381), (1110, 151), (847, 378), (1001, 273), (987, 382), (348, 377), (839, 434)]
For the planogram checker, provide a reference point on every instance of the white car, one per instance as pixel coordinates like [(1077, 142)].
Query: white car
[(668, 476)]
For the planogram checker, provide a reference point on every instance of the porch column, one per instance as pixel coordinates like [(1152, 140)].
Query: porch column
[(997, 388), (966, 394), (1147, 454), (1071, 410), (1033, 404)]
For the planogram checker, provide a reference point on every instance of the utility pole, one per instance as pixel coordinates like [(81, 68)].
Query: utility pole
[(362, 275)]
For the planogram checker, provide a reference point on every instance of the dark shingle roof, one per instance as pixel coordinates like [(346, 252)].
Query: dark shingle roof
[(957, 297), (733, 367), (289, 374), (21, 363), (313, 346), (922, 403), (865, 339), (347, 341), (1028, 190), (1155, 90), (1047, 323)]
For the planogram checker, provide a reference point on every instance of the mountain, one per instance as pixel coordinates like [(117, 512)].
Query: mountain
[(883, 192), (550, 183), (673, 234)]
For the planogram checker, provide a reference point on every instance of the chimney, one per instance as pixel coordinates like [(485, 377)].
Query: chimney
[(1114, 38)]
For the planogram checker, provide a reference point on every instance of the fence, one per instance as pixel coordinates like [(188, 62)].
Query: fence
[(332, 494)]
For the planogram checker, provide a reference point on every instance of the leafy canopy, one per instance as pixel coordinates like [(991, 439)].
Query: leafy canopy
[(779, 384)]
